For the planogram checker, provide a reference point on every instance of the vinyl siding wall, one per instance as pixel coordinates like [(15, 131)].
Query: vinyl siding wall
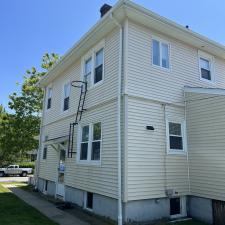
[(101, 106), (206, 129), (150, 169)]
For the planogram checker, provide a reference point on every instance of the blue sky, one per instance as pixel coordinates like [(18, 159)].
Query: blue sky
[(30, 28)]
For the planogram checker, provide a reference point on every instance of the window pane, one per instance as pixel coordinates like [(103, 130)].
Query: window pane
[(49, 102), (175, 128), (98, 74), (89, 203), (87, 69), (175, 207), (66, 104), (97, 131), (95, 154), (66, 90), (99, 58), (165, 55), (204, 63), (61, 178), (49, 92), (85, 133), (84, 151), (156, 53), (205, 74), (176, 143), (45, 152)]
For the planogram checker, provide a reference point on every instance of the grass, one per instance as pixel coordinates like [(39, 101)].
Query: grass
[(14, 211)]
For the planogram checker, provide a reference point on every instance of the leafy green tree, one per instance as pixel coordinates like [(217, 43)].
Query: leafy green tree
[(23, 125)]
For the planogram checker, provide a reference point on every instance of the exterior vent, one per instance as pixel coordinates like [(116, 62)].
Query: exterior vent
[(104, 9), (171, 193)]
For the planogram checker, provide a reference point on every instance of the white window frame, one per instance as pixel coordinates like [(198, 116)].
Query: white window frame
[(63, 97), (161, 41), (183, 132), (85, 201), (209, 58), (89, 161), (183, 208), (92, 54), (46, 100)]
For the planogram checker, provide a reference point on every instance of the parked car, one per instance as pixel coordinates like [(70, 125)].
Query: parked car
[(15, 170)]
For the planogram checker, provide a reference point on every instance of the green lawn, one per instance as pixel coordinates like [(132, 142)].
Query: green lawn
[(14, 211)]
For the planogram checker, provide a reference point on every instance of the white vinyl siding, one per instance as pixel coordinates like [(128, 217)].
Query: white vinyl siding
[(101, 106), (206, 129), (150, 169)]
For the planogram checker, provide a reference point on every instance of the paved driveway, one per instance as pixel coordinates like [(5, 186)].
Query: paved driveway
[(14, 179)]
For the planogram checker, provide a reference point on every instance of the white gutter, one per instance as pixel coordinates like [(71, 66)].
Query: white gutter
[(120, 216)]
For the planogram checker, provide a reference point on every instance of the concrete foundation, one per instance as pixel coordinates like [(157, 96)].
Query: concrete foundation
[(50, 189), (146, 210), (200, 209), (74, 195)]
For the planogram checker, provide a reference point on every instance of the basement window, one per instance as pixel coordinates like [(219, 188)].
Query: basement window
[(175, 206), (89, 201)]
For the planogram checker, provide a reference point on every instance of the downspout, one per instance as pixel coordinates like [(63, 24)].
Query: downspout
[(120, 216), (39, 145), (187, 152)]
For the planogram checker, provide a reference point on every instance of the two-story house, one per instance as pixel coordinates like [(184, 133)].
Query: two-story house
[(134, 119)]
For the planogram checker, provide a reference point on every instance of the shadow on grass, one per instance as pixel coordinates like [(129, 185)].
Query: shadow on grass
[(14, 211)]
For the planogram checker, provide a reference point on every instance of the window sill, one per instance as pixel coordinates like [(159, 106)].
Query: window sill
[(95, 85), (207, 81), (168, 70), (175, 152), (88, 163)]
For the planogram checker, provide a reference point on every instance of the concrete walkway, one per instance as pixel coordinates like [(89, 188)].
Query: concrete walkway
[(47, 208)]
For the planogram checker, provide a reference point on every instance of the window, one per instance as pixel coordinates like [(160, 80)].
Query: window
[(160, 54), (46, 186), (175, 133), (205, 69), (89, 200), (90, 143), (84, 143), (98, 66), (175, 206), (96, 142), (45, 149), (66, 96), (93, 66), (49, 97), (87, 72)]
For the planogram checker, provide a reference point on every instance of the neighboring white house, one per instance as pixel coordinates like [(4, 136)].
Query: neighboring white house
[(150, 143)]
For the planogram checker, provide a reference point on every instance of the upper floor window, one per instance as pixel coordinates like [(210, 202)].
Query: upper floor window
[(160, 54), (45, 149), (98, 66), (93, 66), (175, 136), (87, 71), (206, 66), (49, 97), (66, 96), (90, 143)]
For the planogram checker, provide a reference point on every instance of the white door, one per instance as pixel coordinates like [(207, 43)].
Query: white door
[(60, 189)]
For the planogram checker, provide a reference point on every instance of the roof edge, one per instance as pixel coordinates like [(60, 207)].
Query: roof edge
[(200, 90)]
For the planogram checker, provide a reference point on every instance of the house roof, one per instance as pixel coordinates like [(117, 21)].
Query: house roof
[(127, 9)]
